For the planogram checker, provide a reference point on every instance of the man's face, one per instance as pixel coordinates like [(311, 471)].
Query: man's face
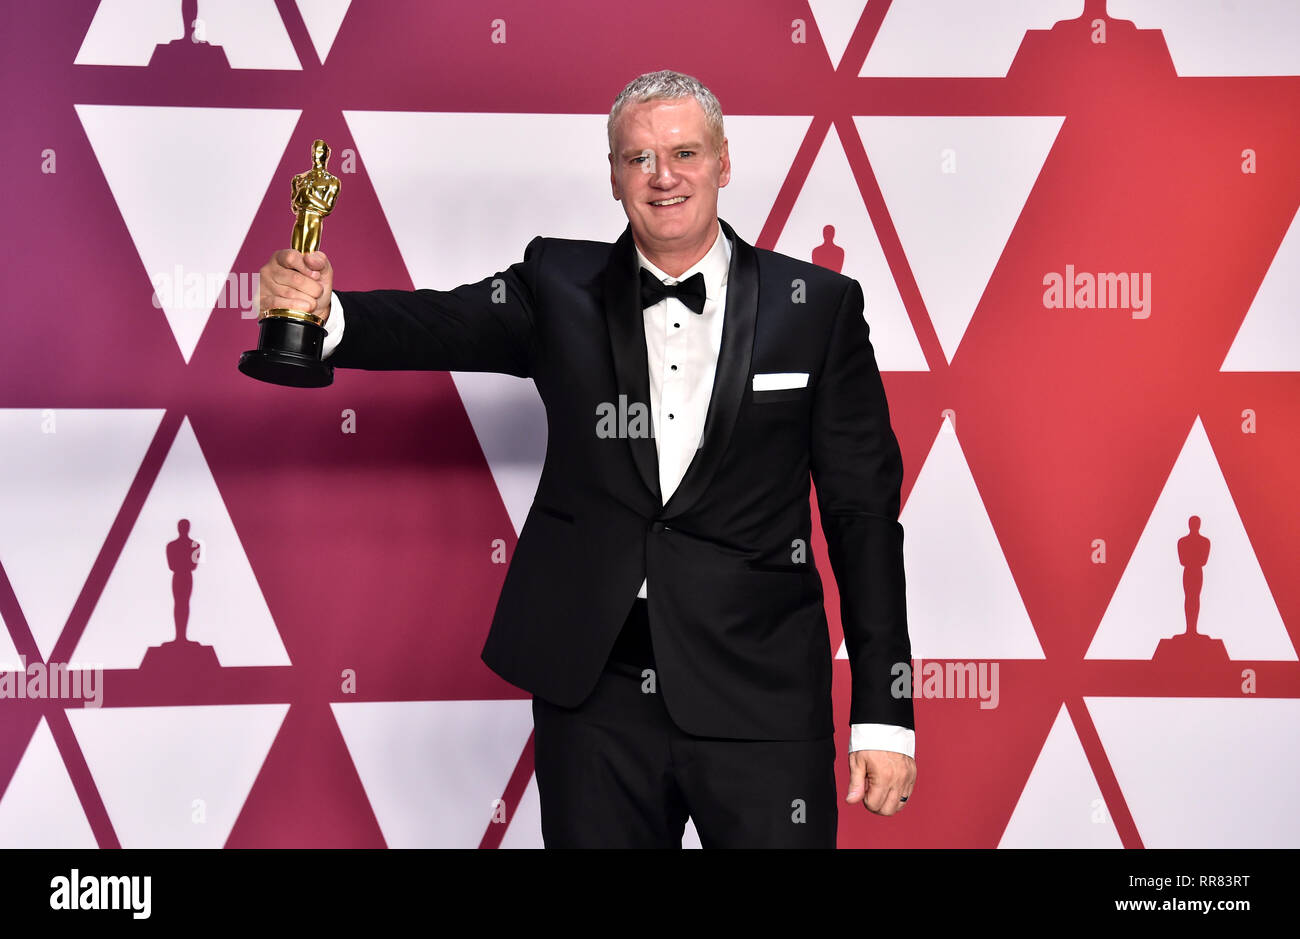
[(663, 153)]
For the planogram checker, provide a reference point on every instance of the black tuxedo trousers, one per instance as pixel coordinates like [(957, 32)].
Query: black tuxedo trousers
[(616, 771)]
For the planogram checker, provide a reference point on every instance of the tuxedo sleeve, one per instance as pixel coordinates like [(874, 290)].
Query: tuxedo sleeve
[(486, 326), (858, 472)]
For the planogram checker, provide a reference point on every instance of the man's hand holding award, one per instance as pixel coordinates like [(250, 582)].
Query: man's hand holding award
[(295, 287)]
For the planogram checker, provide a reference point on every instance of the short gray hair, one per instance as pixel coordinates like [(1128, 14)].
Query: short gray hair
[(667, 84)]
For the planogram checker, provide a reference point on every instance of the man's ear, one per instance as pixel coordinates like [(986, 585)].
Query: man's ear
[(725, 158), (613, 180)]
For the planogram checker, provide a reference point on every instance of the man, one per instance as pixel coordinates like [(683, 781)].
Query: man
[(663, 605)]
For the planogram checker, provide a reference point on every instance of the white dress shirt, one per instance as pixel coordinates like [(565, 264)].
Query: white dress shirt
[(682, 353)]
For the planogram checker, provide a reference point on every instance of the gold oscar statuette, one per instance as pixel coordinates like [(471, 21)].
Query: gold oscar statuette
[(289, 342)]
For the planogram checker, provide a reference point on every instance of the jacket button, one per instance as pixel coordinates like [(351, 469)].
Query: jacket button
[(658, 526)]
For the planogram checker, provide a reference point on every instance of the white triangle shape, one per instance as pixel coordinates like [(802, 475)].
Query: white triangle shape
[(40, 807), (1061, 805), (762, 149), (1164, 752), (1206, 39), (176, 777), (836, 20), (63, 477), (125, 32), (1236, 603), (962, 602), (830, 196), (188, 182), (954, 225), (433, 770), (460, 213), (227, 608), (249, 32), (1269, 337), (510, 424), (323, 19), (933, 38), (9, 661)]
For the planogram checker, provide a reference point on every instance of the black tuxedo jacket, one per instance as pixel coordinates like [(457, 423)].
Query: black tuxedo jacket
[(739, 627)]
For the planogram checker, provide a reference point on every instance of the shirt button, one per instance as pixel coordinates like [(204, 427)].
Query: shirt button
[(670, 417), (677, 325), (673, 367)]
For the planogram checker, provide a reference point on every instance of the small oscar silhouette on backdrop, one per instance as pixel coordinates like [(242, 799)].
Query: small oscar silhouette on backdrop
[(192, 51), (1191, 646), (828, 254), (182, 653)]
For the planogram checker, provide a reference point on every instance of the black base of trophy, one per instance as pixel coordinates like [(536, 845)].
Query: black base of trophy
[(288, 353)]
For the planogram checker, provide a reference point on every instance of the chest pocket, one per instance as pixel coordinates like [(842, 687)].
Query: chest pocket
[(778, 395)]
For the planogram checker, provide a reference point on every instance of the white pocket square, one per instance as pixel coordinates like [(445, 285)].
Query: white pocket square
[(776, 381)]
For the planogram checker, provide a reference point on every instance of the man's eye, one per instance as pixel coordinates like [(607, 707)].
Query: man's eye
[(686, 152)]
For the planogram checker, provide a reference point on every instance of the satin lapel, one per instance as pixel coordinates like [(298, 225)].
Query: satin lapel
[(729, 381), (627, 344)]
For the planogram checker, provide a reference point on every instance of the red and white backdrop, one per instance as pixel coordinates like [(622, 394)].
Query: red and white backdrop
[(1077, 233)]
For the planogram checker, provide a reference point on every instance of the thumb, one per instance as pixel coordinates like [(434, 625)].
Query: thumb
[(857, 779), (316, 260)]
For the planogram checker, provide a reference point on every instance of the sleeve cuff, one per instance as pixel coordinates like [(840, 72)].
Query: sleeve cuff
[(333, 326), (880, 737)]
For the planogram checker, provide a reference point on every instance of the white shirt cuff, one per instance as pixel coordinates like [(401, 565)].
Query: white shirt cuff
[(881, 737), (333, 326)]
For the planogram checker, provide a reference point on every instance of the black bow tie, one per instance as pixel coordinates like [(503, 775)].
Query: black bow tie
[(690, 291)]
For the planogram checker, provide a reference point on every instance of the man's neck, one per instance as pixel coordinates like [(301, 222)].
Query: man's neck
[(675, 261)]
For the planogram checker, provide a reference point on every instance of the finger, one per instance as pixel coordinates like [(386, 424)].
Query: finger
[(317, 262), (272, 289), (280, 302), (878, 796), (293, 260), (291, 281)]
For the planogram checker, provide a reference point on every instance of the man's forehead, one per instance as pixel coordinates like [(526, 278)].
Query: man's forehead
[(671, 118)]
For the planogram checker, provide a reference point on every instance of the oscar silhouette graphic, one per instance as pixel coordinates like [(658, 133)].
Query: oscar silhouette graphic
[(1191, 646), (182, 653), (192, 51), (828, 254)]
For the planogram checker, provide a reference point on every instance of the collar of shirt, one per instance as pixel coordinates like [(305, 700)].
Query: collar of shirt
[(715, 265)]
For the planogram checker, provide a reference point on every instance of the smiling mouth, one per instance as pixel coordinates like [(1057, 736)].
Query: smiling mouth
[(675, 200)]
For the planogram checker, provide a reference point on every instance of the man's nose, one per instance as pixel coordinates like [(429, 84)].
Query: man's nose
[(662, 173)]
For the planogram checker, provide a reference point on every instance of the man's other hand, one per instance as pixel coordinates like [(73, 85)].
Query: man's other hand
[(878, 778), (295, 281)]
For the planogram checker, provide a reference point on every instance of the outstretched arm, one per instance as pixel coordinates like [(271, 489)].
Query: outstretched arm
[(486, 326)]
